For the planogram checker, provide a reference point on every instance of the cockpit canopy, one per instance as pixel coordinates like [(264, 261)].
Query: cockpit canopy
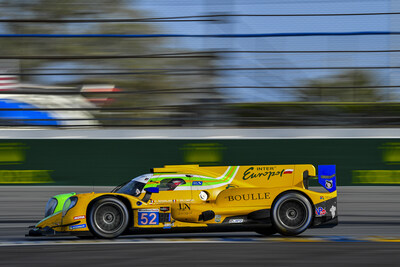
[(134, 187)]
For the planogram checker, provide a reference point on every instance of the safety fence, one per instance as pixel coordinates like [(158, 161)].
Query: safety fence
[(225, 75)]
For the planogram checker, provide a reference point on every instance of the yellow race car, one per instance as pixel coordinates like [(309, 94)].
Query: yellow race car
[(262, 198)]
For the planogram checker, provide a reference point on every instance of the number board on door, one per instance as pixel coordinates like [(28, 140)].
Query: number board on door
[(148, 217)]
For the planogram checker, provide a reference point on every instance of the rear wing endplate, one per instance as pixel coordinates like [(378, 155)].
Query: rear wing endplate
[(327, 177)]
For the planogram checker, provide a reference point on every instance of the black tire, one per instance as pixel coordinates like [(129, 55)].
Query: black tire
[(108, 218), (266, 231), (292, 214)]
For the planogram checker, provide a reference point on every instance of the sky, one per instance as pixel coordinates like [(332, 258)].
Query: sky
[(243, 25), (239, 25)]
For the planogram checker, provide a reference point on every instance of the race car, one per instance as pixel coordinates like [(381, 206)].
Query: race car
[(267, 199)]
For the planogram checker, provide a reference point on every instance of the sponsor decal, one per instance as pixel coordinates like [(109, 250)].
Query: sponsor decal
[(167, 225), (328, 176), (231, 186), (184, 206), (246, 197), (250, 173), (164, 209), (236, 220), (218, 218), (320, 211), (168, 201), (197, 183), (328, 184), (148, 210), (79, 217), (78, 226), (163, 201), (288, 171), (321, 198), (333, 211)]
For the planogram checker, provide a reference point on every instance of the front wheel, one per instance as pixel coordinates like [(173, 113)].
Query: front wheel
[(291, 214), (108, 218)]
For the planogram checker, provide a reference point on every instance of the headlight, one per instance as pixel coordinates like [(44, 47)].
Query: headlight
[(69, 204), (203, 195), (50, 207)]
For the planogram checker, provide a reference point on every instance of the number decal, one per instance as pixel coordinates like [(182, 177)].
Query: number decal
[(148, 217), (153, 220), (143, 218)]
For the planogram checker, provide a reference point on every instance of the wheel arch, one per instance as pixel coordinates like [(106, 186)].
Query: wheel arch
[(292, 191)]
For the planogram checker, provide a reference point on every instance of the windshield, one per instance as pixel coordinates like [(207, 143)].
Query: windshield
[(133, 188)]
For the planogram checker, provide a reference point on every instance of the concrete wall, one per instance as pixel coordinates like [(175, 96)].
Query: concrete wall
[(110, 157)]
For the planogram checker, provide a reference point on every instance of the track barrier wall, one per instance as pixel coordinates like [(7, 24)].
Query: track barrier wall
[(111, 162)]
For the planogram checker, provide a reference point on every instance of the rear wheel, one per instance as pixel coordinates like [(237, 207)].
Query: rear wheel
[(108, 218), (291, 214)]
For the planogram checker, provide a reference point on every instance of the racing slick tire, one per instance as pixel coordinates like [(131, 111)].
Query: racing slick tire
[(291, 214), (108, 218)]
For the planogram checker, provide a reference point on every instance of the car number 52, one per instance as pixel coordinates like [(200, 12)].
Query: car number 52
[(148, 218)]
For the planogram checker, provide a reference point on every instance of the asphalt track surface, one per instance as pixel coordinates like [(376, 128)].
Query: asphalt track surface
[(368, 234)]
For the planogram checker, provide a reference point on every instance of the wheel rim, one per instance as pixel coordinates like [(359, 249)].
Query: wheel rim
[(109, 218), (292, 213)]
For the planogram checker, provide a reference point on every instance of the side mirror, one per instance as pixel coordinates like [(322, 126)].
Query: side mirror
[(152, 190)]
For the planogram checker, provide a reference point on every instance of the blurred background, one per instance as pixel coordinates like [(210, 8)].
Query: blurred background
[(138, 84), (201, 63)]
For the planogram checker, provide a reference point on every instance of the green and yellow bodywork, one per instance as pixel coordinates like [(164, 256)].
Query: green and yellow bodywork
[(226, 191)]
